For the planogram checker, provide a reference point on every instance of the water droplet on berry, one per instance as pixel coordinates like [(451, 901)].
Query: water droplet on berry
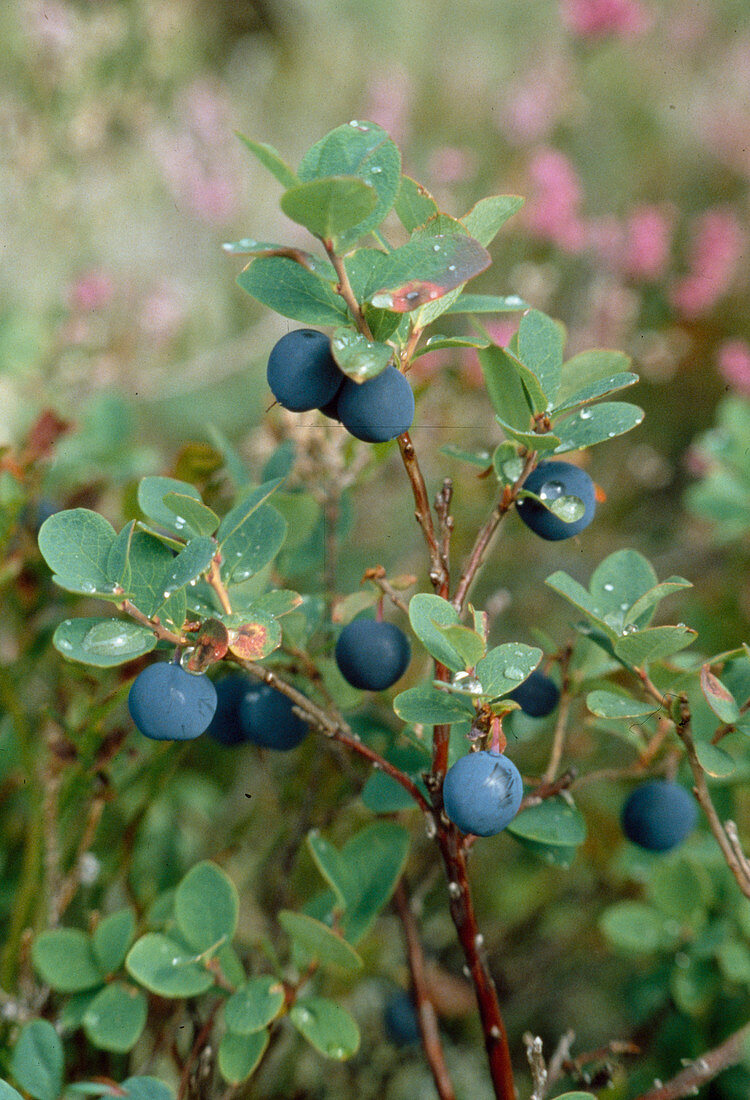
[(551, 490)]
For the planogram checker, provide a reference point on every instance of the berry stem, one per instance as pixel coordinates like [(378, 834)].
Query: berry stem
[(423, 513), (344, 289)]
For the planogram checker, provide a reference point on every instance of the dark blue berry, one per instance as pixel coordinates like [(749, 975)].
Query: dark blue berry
[(550, 481), (169, 704), (267, 718), (302, 373), (537, 696), (482, 792), (400, 1019), (377, 410), (226, 727), (659, 815), (371, 655)]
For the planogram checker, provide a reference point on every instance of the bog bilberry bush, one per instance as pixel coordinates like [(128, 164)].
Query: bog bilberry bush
[(202, 578)]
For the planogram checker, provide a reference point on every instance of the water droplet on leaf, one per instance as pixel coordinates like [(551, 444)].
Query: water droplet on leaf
[(107, 637)]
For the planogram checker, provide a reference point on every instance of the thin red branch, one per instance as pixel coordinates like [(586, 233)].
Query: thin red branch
[(423, 514), (703, 1069)]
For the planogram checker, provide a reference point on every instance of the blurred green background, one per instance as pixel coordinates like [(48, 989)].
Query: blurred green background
[(626, 126)]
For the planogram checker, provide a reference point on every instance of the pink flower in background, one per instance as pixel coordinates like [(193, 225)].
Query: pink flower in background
[(50, 23), (553, 208), (90, 291), (594, 19), (733, 361), (715, 252), (164, 311), (648, 238), (388, 101), (449, 164), (531, 109)]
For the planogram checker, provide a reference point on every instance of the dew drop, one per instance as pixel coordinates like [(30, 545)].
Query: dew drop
[(436, 248), (479, 941), (551, 490), (609, 587), (513, 673), (451, 267), (631, 628), (376, 169), (179, 523), (175, 961), (681, 626), (466, 971), (336, 1052), (87, 586), (585, 414), (568, 509), (107, 637), (624, 606), (611, 435), (513, 300), (303, 1016), (454, 889), (430, 828), (185, 657)]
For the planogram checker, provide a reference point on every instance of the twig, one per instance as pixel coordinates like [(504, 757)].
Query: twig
[(428, 1025), (161, 632), (423, 514), (487, 530), (344, 289), (214, 579), (202, 1038), (378, 576), (703, 1069), (68, 887), (559, 1057), (561, 725), (537, 1065)]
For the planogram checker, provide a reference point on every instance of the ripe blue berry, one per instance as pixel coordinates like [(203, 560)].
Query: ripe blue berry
[(169, 704), (267, 719), (550, 481), (372, 655), (302, 372), (659, 815), (225, 725), (377, 410), (400, 1019), (537, 696), (482, 792)]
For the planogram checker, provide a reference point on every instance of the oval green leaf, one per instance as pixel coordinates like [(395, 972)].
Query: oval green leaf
[(326, 1026), (112, 938), (240, 1055), (102, 642), (166, 967), (357, 357), (76, 545), (330, 206), (37, 1061), (64, 959), (314, 940), (206, 907), (116, 1017), (254, 1005)]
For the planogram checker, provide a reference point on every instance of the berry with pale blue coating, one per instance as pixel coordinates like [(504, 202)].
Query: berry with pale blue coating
[(659, 815), (268, 720), (378, 410), (482, 792), (551, 481), (169, 704), (372, 655), (226, 727), (302, 372), (537, 696)]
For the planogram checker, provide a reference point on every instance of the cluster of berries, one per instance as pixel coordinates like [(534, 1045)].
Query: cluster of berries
[(303, 375)]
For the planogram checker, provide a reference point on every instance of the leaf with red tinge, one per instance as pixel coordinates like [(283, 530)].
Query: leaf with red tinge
[(255, 639), (211, 644), (718, 697), (425, 269)]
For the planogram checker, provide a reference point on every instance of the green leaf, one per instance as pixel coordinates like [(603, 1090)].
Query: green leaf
[(507, 463), (326, 1026), (192, 517), (253, 544), (37, 1061), (425, 269), (552, 823), (430, 705), (314, 940), (487, 303), (438, 343), (206, 906), (679, 889), (427, 613), (112, 938), (695, 986), (240, 1055), (375, 858), (76, 545), (654, 643), (7, 1092), (489, 215), (576, 594), (514, 391), (151, 494), (293, 291), (116, 1017), (610, 704), (331, 206), (576, 1096), (733, 958), (533, 442), (719, 697), (249, 502), (643, 609), (506, 666), (481, 459), (167, 967), (469, 645), (359, 358), (634, 926), (332, 867), (359, 149), (540, 348), (621, 579), (189, 564), (714, 760), (270, 159), (102, 642), (589, 368), (140, 560), (280, 601), (64, 959), (252, 635), (594, 424), (254, 1005), (414, 204), (146, 1088), (384, 795), (602, 388)]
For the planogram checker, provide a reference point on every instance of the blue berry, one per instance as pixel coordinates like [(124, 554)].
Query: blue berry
[(267, 719), (537, 696), (225, 725), (550, 481), (377, 410), (482, 792), (169, 704), (301, 372), (400, 1019), (371, 655), (659, 815)]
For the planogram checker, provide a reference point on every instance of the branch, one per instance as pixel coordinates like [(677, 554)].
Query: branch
[(378, 576), (703, 1069), (423, 515), (537, 1065), (561, 725), (161, 632), (344, 289), (428, 1026)]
